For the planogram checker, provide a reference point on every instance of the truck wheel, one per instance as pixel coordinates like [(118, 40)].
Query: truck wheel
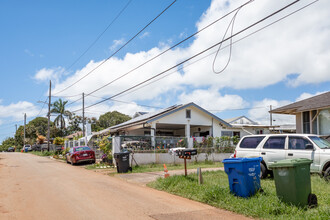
[(263, 171), (312, 200), (327, 174)]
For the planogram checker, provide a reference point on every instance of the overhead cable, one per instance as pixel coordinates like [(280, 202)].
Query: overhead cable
[(117, 50), (198, 54)]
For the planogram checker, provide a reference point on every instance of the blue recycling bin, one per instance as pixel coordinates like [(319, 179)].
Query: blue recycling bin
[(243, 175)]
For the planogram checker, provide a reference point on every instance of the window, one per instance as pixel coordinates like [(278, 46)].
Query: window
[(237, 133), (227, 133), (306, 123), (251, 142), (324, 121), (275, 143), (188, 113), (298, 143)]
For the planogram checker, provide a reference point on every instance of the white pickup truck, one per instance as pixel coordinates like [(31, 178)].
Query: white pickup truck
[(274, 147)]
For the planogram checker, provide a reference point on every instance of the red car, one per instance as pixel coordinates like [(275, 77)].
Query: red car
[(80, 154)]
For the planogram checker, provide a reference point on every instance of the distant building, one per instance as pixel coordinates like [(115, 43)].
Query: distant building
[(242, 126)]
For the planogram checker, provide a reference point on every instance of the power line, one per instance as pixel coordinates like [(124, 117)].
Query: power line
[(118, 49), (235, 109), (172, 47), (133, 103), (100, 35), (252, 33), (239, 32)]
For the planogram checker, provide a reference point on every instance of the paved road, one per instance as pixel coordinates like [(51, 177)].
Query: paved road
[(33, 187)]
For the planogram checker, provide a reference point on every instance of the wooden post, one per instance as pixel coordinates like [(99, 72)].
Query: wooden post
[(185, 166), (200, 177)]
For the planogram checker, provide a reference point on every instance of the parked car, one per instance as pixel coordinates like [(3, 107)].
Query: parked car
[(274, 147), (27, 147), (80, 154), (11, 149)]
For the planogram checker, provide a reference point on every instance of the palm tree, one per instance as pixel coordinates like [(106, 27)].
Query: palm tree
[(59, 109)]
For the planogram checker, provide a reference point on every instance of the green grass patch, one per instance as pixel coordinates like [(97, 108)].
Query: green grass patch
[(42, 153), (160, 167), (215, 191)]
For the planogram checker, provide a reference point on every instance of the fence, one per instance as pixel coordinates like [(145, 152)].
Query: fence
[(144, 144)]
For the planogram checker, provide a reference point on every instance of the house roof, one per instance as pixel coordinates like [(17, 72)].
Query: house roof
[(230, 120), (153, 116), (321, 101)]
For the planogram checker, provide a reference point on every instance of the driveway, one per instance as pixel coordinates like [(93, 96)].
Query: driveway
[(33, 187), (144, 178)]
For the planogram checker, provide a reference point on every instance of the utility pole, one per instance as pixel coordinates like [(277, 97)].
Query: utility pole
[(16, 128), (271, 116), (24, 128), (49, 103), (83, 113)]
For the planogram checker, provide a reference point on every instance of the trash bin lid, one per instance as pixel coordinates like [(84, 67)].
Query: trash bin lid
[(291, 163), (241, 160)]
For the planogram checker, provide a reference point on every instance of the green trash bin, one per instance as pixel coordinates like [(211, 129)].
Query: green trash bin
[(293, 182)]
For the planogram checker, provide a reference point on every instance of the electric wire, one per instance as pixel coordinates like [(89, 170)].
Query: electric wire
[(170, 48), (161, 73), (118, 49), (116, 100), (100, 35), (232, 22), (248, 35)]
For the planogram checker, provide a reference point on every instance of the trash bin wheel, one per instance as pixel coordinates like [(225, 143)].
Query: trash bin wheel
[(312, 200)]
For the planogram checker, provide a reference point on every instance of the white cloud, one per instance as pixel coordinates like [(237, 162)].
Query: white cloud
[(144, 35), (50, 74), (297, 45), (260, 112), (116, 44), (16, 110), (212, 100), (306, 95)]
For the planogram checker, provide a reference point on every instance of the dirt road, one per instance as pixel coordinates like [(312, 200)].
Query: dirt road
[(33, 187)]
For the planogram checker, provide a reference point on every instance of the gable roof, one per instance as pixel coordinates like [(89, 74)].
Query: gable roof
[(231, 120), (153, 116), (321, 101)]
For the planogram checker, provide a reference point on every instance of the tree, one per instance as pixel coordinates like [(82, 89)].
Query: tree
[(8, 142), (112, 118), (59, 109), (37, 126), (74, 122)]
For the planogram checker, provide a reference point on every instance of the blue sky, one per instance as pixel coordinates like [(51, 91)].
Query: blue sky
[(284, 63)]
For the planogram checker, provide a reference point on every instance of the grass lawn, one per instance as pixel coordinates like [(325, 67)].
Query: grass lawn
[(160, 167), (215, 191)]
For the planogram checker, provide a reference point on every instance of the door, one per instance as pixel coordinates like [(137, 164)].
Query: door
[(273, 149), (301, 147)]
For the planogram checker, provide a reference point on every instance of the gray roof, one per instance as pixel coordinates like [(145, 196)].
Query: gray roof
[(152, 116), (321, 101)]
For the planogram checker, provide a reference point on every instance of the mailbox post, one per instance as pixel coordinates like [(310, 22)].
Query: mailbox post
[(186, 154)]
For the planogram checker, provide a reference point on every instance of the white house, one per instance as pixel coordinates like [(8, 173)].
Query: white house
[(189, 120), (242, 126)]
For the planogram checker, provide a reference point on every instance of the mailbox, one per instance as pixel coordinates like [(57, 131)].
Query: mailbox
[(186, 152)]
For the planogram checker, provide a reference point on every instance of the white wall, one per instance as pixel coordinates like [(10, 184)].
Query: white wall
[(161, 158)]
